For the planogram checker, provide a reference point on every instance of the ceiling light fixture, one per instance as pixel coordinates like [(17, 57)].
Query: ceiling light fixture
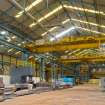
[(91, 31), (88, 51), (1, 45), (67, 7), (3, 32), (47, 16), (23, 42), (44, 33), (28, 8), (74, 51), (77, 20), (84, 9), (19, 44), (81, 52), (65, 21), (62, 33), (10, 50), (72, 28), (13, 37), (102, 26), (66, 51), (9, 40), (18, 52), (50, 30), (31, 57)]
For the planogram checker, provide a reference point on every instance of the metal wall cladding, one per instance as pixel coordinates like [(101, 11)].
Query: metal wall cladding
[(17, 73)]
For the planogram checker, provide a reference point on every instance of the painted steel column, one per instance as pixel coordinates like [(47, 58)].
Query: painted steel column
[(2, 63), (62, 72), (25, 58), (53, 71), (42, 69)]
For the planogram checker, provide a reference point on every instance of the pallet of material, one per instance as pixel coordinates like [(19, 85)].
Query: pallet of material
[(8, 92), (1, 98), (94, 81), (33, 91), (1, 94)]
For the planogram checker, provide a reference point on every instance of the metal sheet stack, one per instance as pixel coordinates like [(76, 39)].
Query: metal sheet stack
[(8, 92), (1, 94)]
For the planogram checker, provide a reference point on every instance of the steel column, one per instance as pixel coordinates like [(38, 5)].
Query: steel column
[(42, 69)]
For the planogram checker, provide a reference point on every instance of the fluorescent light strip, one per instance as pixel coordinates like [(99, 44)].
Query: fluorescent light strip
[(18, 52), (73, 52), (9, 40), (77, 20), (44, 33), (76, 27), (1, 45), (81, 52), (66, 51), (86, 51), (65, 21), (3, 32), (19, 44), (36, 2), (102, 26), (23, 42), (84, 9), (68, 7), (63, 33), (70, 29), (31, 57), (50, 30), (13, 37), (46, 16), (10, 50), (91, 31)]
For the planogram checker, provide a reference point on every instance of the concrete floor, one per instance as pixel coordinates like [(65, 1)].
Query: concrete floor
[(79, 95)]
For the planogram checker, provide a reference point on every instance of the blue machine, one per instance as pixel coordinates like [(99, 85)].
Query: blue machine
[(68, 81), (18, 75)]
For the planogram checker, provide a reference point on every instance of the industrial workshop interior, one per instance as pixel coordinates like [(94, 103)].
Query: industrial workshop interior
[(52, 52)]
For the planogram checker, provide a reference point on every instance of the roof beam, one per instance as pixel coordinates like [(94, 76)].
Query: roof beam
[(13, 45), (22, 30), (15, 31)]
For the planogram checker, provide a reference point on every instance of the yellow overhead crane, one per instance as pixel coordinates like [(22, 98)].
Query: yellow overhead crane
[(68, 44), (83, 59)]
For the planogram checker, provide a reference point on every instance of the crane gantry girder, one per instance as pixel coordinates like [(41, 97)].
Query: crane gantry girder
[(63, 47), (82, 38), (83, 59), (79, 43)]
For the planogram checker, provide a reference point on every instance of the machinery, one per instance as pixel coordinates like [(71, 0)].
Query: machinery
[(21, 77), (102, 83), (64, 82), (1, 89)]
